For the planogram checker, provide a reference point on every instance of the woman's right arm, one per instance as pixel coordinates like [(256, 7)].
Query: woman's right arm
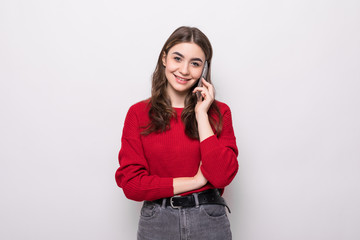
[(187, 184), (134, 178), (133, 174)]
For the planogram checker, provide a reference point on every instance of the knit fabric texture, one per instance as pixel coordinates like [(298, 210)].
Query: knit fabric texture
[(148, 163)]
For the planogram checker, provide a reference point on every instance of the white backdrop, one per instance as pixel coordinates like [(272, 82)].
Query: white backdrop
[(289, 70)]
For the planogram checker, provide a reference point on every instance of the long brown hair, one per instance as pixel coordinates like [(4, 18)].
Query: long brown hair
[(161, 111)]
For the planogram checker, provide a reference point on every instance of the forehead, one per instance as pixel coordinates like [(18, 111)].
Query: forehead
[(189, 50)]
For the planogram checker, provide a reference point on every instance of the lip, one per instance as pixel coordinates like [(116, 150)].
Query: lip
[(181, 80)]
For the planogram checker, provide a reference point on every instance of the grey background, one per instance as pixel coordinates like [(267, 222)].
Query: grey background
[(70, 70)]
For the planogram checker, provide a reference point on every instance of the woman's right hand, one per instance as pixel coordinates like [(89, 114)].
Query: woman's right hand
[(199, 178), (185, 184)]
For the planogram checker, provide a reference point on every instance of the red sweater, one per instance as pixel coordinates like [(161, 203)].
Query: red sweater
[(149, 163)]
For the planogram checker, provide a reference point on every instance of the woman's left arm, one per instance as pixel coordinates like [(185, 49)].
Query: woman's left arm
[(218, 154)]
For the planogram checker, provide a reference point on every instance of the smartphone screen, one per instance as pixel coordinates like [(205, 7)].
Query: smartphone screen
[(203, 75)]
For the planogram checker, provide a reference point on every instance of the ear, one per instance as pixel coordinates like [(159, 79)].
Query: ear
[(164, 59)]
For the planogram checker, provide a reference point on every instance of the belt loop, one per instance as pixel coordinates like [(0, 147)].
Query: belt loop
[(196, 197), (163, 205)]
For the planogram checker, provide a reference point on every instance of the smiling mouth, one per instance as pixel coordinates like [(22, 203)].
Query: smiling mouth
[(182, 79)]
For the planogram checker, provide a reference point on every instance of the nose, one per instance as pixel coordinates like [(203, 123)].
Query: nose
[(184, 69)]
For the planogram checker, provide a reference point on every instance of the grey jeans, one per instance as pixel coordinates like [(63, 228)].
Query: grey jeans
[(158, 222)]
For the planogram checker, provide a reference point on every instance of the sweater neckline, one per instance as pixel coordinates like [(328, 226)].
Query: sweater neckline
[(178, 110)]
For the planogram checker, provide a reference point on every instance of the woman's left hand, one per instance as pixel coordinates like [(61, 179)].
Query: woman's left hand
[(208, 95)]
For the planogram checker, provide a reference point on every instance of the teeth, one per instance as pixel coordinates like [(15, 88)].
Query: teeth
[(182, 79)]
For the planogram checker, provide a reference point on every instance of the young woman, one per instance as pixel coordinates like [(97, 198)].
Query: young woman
[(178, 151)]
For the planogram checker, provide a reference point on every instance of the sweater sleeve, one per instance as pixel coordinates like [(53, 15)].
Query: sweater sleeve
[(133, 174), (219, 154)]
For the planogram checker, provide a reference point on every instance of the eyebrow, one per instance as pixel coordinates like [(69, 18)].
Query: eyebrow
[(193, 59)]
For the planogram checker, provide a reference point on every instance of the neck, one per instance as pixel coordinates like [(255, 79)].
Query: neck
[(178, 102), (177, 99)]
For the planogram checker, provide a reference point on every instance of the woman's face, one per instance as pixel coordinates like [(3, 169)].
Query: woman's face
[(183, 66)]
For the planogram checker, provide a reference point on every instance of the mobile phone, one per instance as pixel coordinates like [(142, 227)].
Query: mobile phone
[(203, 75)]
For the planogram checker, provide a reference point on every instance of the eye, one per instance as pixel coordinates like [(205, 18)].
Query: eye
[(196, 64), (177, 59)]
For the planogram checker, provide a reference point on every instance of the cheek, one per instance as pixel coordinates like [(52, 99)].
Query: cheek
[(171, 65), (196, 73), (170, 68)]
